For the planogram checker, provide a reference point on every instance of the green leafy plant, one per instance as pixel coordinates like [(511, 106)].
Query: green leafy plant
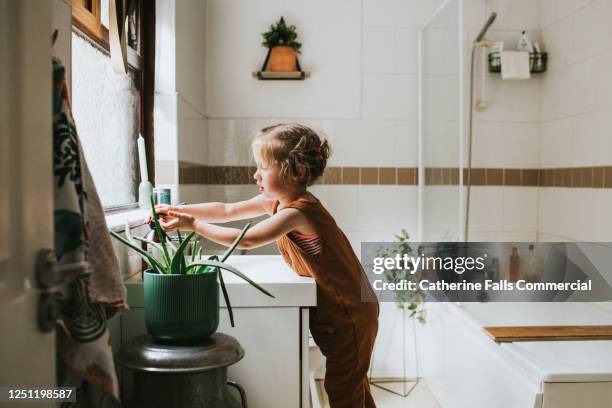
[(281, 34), (174, 260), (405, 299)]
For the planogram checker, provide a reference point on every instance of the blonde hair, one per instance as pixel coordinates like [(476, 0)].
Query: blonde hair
[(290, 145)]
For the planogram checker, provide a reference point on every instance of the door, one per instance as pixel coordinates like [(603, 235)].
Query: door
[(27, 355)]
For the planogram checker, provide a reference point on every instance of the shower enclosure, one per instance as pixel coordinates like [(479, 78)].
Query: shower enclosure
[(442, 83)]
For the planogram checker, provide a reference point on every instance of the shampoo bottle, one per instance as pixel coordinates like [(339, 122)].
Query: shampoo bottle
[(514, 265)]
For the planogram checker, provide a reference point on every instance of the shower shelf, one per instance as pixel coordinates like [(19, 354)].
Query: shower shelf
[(538, 63)]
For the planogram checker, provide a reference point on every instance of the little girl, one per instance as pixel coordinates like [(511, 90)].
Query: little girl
[(290, 157)]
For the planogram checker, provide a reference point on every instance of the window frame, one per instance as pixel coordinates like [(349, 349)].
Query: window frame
[(86, 19)]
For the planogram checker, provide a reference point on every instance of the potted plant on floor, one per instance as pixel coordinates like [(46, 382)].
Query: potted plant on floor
[(181, 293), (282, 42)]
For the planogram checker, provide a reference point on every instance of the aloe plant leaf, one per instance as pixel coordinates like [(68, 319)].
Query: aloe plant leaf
[(193, 248), (224, 291), (231, 269), (153, 263), (235, 243), (149, 242), (179, 258), (178, 233), (159, 232)]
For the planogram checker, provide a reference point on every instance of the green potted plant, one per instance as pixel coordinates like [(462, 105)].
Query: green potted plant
[(411, 300), (282, 42), (181, 293)]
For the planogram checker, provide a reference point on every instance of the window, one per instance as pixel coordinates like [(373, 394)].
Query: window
[(110, 110)]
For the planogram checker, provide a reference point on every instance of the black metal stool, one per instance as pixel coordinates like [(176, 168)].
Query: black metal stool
[(185, 375)]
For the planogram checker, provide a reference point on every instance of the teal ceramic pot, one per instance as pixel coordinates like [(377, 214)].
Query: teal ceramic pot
[(181, 307)]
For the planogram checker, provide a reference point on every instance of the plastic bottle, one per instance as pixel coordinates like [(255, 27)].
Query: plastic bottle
[(534, 266), (514, 265), (524, 43)]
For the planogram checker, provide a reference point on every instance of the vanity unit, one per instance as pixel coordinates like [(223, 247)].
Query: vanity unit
[(273, 331)]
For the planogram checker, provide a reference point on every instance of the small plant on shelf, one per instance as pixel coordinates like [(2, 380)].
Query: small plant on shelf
[(281, 39), (181, 291)]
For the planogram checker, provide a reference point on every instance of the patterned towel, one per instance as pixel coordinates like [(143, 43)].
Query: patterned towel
[(85, 357)]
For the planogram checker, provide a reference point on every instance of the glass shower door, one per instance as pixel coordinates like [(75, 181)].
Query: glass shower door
[(441, 124)]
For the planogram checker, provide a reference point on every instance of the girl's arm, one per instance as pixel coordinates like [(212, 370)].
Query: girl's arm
[(221, 212), (261, 234)]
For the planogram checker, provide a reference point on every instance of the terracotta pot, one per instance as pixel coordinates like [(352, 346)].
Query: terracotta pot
[(282, 59)]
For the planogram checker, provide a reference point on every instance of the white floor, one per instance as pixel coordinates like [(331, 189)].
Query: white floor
[(420, 397)]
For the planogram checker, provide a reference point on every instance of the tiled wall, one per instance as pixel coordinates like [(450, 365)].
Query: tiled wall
[(362, 94), (576, 118)]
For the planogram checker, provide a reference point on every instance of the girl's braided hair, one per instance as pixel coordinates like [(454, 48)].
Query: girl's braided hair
[(290, 146)]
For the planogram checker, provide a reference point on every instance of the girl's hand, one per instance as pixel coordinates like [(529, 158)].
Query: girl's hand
[(177, 220), (162, 211)]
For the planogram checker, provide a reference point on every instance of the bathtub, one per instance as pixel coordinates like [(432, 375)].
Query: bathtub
[(465, 368)]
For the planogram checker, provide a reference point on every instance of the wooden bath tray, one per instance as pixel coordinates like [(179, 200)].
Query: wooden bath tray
[(508, 334)]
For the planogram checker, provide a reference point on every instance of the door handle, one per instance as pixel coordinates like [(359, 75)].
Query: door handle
[(49, 274)]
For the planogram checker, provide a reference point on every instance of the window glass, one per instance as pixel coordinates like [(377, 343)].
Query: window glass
[(105, 109), (104, 12)]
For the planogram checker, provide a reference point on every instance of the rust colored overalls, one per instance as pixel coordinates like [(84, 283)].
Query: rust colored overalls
[(342, 324)]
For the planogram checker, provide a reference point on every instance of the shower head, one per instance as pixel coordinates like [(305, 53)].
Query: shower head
[(486, 27)]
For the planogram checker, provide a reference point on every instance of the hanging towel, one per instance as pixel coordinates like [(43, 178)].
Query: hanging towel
[(515, 65), (85, 358)]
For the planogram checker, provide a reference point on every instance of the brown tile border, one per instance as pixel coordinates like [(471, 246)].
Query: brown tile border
[(569, 177)]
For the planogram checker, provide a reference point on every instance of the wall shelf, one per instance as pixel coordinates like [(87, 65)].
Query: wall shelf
[(265, 75), (272, 76), (538, 63)]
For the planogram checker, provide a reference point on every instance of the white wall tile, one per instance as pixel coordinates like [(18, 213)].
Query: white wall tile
[(397, 13), (372, 143), (231, 193), (523, 236), (520, 209), (361, 143), (553, 10), (440, 52), (190, 52), (512, 101), (378, 49), (474, 14), (192, 135), (341, 202), (556, 143), (441, 211), (441, 143), (166, 119), (486, 209), (506, 145), (387, 208), (592, 29), (441, 97), (515, 14), (229, 143), (332, 54), (389, 96), (406, 147), (592, 139), (405, 51), (601, 80), (558, 40), (193, 194)]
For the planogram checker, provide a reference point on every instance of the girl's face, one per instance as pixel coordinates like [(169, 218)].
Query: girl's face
[(268, 180)]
